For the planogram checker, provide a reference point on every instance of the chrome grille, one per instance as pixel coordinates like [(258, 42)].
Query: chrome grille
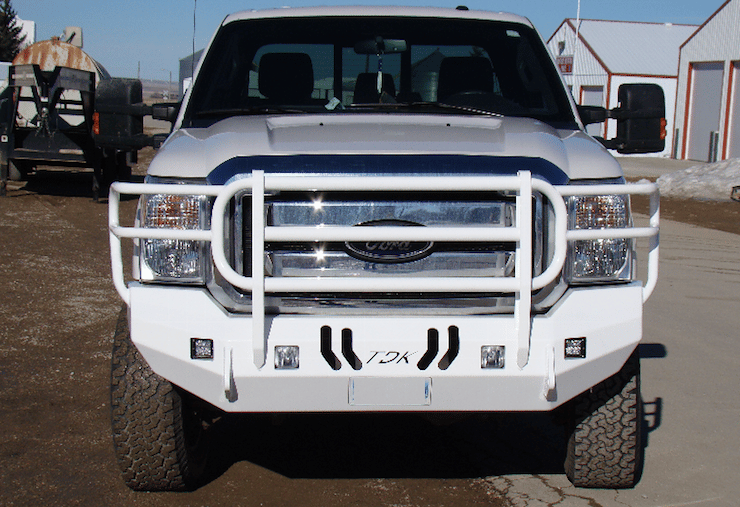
[(473, 259)]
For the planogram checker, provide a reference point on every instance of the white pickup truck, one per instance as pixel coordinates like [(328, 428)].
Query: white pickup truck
[(383, 209)]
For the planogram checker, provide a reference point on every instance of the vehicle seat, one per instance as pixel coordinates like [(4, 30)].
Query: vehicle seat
[(286, 78), (459, 74), (366, 88)]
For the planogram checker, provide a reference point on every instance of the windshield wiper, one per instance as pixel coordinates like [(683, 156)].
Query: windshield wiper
[(466, 109), (426, 105), (246, 111)]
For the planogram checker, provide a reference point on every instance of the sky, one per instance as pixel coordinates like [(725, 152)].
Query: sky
[(146, 38)]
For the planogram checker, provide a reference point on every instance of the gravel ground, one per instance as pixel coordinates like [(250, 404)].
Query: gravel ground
[(57, 313)]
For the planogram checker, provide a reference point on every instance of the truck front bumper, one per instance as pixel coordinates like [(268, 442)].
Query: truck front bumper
[(377, 358)]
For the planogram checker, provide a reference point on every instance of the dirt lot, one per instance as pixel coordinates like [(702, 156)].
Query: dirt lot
[(57, 313)]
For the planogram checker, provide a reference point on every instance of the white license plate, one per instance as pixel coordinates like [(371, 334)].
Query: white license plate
[(390, 391)]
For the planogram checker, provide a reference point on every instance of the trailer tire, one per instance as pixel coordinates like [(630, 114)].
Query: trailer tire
[(159, 437), (604, 447), (17, 171), (115, 168)]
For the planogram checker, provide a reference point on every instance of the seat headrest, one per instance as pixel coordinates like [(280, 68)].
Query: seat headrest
[(366, 88), (286, 77), (464, 74)]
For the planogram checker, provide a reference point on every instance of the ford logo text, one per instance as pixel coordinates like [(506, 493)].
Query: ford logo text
[(389, 251)]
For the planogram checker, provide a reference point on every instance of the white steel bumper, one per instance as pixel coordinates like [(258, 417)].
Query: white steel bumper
[(163, 321), (241, 375)]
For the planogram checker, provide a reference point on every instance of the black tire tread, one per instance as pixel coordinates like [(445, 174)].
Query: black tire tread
[(147, 421), (604, 448)]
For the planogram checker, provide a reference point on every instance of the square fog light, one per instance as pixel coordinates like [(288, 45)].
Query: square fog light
[(286, 357), (201, 348), (492, 356), (575, 348)]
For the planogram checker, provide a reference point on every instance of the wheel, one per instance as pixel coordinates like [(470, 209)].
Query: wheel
[(115, 168), (159, 436), (604, 448), (17, 171)]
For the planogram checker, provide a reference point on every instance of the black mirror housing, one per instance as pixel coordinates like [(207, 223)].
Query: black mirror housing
[(120, 114), (117, 102), (641, 123), (166, 111), (592, 114), (642, 127)]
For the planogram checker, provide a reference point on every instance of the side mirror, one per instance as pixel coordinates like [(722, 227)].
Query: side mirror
[(119, 114), (120, 111), (592, 114), (166, 111), (640, 119)]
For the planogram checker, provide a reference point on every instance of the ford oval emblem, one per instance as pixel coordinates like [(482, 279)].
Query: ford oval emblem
[(389, 251)]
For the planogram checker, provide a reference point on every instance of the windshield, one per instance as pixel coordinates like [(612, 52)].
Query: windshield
[(366, 64)]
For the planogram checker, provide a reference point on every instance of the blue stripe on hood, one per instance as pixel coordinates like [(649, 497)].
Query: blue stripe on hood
[(406, 165)]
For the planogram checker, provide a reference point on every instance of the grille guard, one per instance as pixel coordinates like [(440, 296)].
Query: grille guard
[(521, 285)]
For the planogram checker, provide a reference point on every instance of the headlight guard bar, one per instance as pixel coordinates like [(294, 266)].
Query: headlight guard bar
[(522, 284)]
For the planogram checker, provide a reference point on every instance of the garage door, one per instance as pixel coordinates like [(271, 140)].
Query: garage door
[(705, 103), (593, 96)]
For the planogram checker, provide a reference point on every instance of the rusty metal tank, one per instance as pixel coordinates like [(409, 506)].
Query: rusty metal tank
[(53, 53)]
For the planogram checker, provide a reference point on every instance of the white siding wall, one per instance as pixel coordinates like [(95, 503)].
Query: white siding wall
[(587, 70), (717, 41)]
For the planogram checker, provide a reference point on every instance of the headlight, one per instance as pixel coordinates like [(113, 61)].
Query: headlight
[(170, 259), (599, 260)]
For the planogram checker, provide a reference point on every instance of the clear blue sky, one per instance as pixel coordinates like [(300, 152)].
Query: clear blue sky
[(157, 33)]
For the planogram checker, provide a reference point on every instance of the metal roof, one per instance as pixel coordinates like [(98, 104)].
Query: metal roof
[(635, 48)]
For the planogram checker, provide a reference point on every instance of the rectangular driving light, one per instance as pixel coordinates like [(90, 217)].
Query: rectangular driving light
[(575, 348), (201, 348), (492, 356), (286, 357)]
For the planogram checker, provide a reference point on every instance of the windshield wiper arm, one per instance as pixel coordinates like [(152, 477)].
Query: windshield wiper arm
[(423, 105), (466, 109), (246, 111)]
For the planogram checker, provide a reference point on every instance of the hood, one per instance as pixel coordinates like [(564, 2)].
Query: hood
[(228, 146)]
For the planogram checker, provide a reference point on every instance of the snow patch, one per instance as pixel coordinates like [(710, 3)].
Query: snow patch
[(707, 181)]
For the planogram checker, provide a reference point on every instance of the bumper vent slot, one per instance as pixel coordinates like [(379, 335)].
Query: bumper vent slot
[(347, 351), (453, 350), (326, 349), (432, 349)]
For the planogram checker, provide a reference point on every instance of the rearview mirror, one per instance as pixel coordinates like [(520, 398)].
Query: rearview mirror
[(379, 46)]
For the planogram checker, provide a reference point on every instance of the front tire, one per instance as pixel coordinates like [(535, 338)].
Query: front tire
[(604, 448), (158, 435)]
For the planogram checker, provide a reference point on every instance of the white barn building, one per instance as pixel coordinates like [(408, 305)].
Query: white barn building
[(610, 53), (707, 126)]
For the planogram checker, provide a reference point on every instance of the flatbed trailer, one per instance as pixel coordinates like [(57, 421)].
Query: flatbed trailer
[(50, 118)]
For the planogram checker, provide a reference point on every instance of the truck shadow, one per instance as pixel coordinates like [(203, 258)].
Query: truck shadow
[(60, 183), (652, 410), (351, 446), (403, 445)]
